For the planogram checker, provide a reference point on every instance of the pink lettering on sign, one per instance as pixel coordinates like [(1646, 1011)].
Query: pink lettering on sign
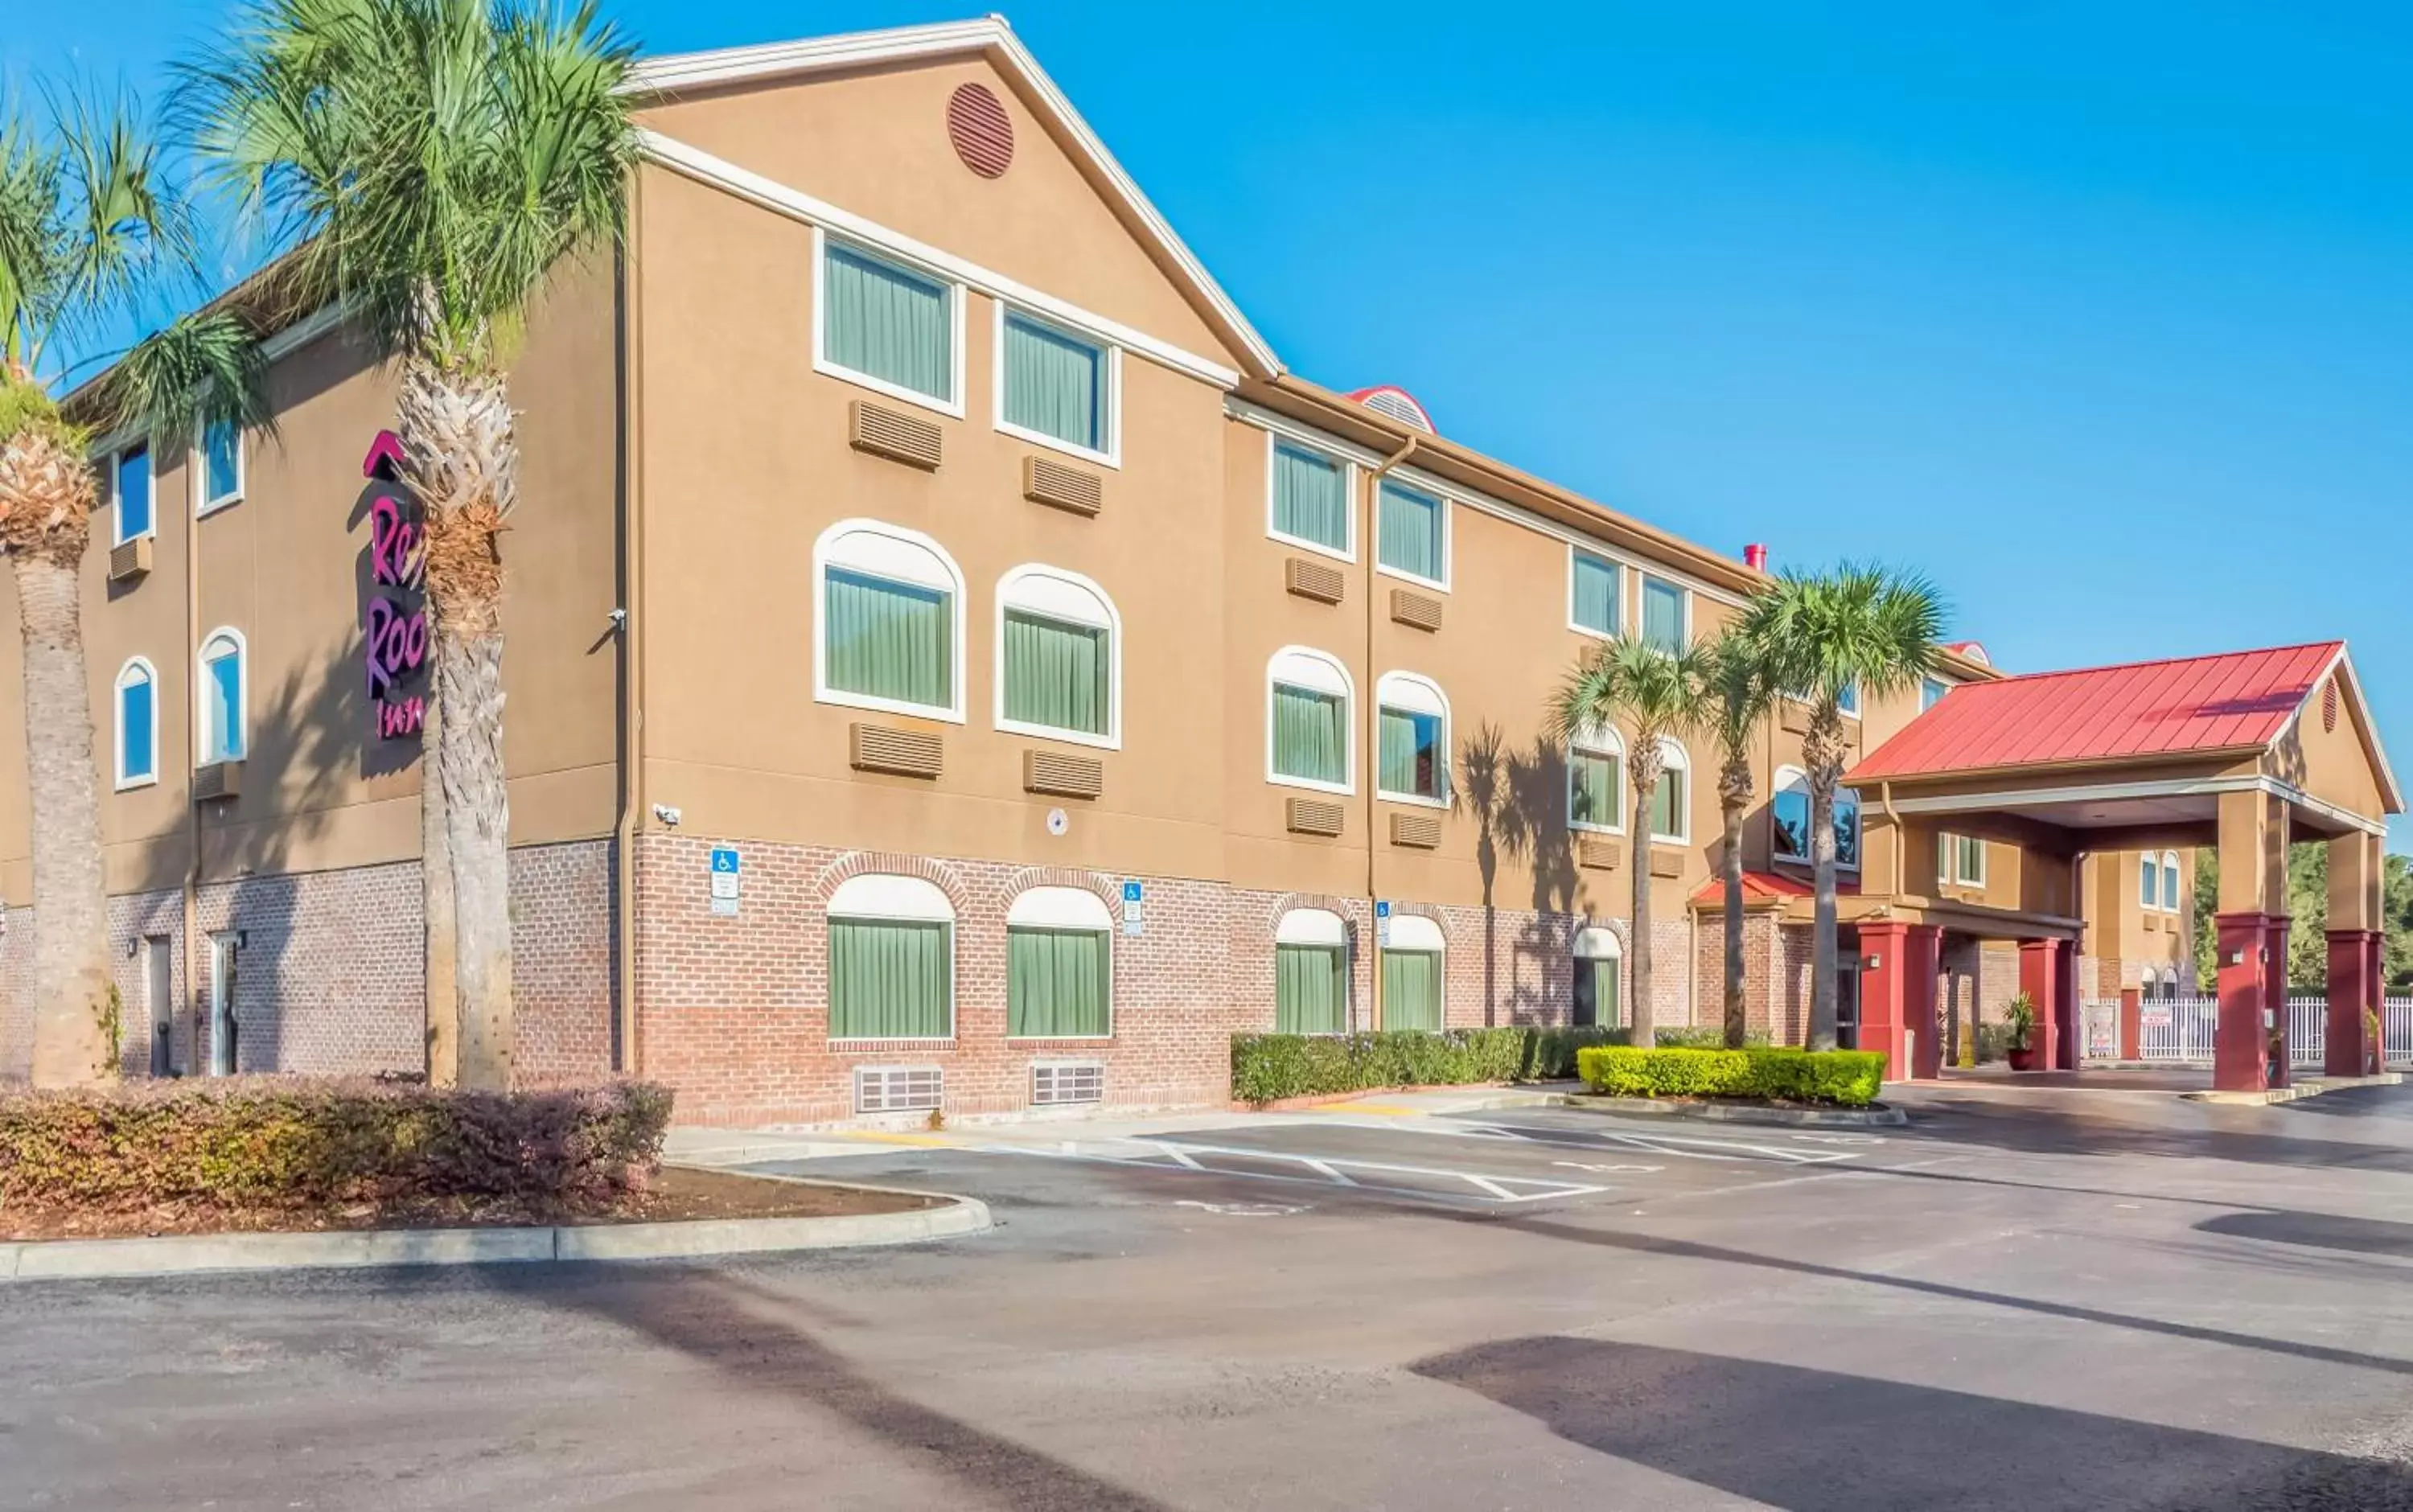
[(394, 623)]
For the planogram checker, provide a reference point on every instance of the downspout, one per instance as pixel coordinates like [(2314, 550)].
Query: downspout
[(628, 526), (192, 888), (1373, 895), (1893, 823)]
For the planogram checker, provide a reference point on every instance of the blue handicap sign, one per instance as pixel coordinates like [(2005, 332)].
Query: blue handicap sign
[(1131, 892), (724, 859), (1382, 911)]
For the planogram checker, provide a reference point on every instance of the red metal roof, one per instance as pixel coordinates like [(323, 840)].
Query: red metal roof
[(2144, 709), (1761, 887)]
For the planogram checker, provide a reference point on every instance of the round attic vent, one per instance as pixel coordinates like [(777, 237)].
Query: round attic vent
[(980, 130), (1397, 403)]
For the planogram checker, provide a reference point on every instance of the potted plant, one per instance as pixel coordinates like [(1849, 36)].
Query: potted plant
[(2019, 1032)]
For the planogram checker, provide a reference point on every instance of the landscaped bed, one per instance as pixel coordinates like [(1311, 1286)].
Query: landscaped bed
[(1766, 1077)]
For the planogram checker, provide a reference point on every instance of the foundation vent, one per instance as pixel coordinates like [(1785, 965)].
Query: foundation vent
[(1066, 488), (1666, 863), (898, 1088), (876, 748), (1314, 816), (889, 433), (216, 781), (1070, 776), (1421, 831), (1060, 1083), (1421, 610), (131, 559), (1598, 852), (1318, 581)]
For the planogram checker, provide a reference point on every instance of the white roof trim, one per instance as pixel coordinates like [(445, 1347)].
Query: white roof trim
[(2353, 682), (991, 36)]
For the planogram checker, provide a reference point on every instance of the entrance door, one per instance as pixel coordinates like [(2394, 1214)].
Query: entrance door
[(222, 1030), (159, 995), (1847, 1002)]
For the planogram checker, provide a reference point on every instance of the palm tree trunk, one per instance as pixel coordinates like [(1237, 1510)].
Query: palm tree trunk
[(435, 894), (1822, 753), (1734, 794), (1643, 1015)]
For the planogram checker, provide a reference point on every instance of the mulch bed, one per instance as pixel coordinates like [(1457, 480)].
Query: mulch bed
[(669, 1195)]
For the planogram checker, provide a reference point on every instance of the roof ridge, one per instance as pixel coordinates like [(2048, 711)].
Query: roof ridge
[(2164, 661)]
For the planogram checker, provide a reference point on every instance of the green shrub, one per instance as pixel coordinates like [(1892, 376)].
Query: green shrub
[(291, 1143), (1701, 1037), (1848, 1078), (1267, 1068)]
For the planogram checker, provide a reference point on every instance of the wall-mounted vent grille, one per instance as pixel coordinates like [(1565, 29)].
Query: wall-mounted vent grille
[(876, 748), (898, 1088), (1313, 579), (1666, 863), (1421, 610), (129, 559), (1598, 852), (1422, 831), (1794, 715), (1070, 776), (1057, 1083), (2328, 704), (888, 433), (217, 780), (1314, 816), (1066, 488)]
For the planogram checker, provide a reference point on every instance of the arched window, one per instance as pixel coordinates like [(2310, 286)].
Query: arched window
[(1412, 959), (1412, 739), (1059, 965), (1790, 808), (1309, 742), (1598, 959), (1059, 651), (891, 960), (1671, 807), (1847, 829), (224, 728), (1310, 972), (2149, 881), (887, 614), (2170, 881), (1596, 781), (137, 725)]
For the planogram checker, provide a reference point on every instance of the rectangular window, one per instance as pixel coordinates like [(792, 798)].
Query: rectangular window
[(888, 324), (1410, 526), (1310, 989), (1310, 499), (1961, 860), (889, 640), (1592, 801), (890, 978), (1411, 990), (1411, 756), (132, 487), (1057, 674), (1310, 735), (221, 464), (1667, 811), (1055, 385), (1597, 999), (1597, 605), (1931, 692), (1662, 614), (1056, 984), (136, 714)]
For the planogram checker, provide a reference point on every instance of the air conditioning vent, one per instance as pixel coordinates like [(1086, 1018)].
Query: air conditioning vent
[(1421, 831), (1314, 816), (1071, 777), (1059, 1083), (1318, 581), (1794, 715), (888, 433), (898, 1088), (1598, 852), (1666, 863), (1421, 610), (218, 780), (1066, 488), (876, 748), (129, 559)]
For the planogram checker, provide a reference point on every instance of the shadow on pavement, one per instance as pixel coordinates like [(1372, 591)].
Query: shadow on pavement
[(1818, 1441), (2319, 1231), (2027, 1128)]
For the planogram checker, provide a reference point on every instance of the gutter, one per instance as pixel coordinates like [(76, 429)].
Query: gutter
[(1374, 893), (628, 526)]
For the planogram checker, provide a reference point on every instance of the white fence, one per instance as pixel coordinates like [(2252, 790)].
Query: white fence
[(2180, 1030)]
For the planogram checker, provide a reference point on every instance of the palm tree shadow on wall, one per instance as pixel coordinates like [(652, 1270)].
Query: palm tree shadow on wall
[(1517, 800)]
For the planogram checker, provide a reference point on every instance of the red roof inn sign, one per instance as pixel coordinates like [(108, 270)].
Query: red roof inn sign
[(394, 620)]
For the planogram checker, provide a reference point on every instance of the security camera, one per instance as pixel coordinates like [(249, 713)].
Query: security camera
[(667, 814)]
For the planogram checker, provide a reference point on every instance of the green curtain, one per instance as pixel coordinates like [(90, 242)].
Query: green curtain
[(1056, 984), (1593, 797), (891, 980), (1662, 614), (1411, 753), (887, 323), (1055, 673), (1596, 594), (1311, 739), (1410, 989), (1410, 531), (1973, 859), (1310, 500), (1606, 1009), (1054, 384), (1310, 989), (1667, 804), (890, 640)]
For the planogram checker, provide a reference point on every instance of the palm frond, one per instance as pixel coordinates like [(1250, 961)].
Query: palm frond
[(201, 370), (1742, 687), (1632, 681), (1859, 625)]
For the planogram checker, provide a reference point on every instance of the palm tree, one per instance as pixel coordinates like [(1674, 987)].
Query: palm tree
[(1658, 693), (1859, 627), (1740, 693), (433, 161), (89, 231)]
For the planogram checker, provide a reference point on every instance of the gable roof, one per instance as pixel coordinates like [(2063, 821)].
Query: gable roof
[(988, 37)]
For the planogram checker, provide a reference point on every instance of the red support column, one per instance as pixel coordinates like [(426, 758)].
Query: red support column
[(1898, 997), (2070, 1036), (2132, 1027), (2275, 999), (2346, 1042), (1922, 964), (2252, 954), (2042, 978)]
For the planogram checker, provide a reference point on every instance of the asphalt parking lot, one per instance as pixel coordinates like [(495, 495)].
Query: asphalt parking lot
[(2081, 1302)]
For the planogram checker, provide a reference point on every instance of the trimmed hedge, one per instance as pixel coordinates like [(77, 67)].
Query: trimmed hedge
[(289, 1142), (1267, 1068), (1847, 1078)]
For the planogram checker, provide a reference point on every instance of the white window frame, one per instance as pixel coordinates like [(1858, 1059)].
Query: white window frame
[(117, 536), (199, 463), (1949, 846), (1683, 606), (890, 898), (205, 696), (1674, 757), (1067, 910), (1299, 657), (1601, 740), (1274, 441), (1574, 552), (150, 676), (822, 691), (1782, 782), (1113, 354), (1014, 592), (1411, 692), (1851, 688), (1448, 547), (2149, 881), (2173, 882), (1938, 687), (951, 405)]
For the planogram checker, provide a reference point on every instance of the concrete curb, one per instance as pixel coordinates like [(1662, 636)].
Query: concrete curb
[(186, 1254), (1880, 1115), (2295, 1093)]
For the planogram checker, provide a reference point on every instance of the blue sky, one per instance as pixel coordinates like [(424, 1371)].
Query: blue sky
[(2102, 314)]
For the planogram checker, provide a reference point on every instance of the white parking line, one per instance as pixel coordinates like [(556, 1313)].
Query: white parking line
[(1323, 1170)]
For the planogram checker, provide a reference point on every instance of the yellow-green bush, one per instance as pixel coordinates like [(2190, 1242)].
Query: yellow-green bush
[(1267, 1068), (1847, 1078)]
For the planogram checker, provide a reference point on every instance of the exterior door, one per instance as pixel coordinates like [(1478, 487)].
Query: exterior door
[(1847, 1002), (222, 1030), (159, 999)]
